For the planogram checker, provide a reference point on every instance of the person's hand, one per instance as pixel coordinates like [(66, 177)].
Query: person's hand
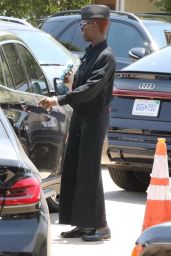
[(69, 79), (48, 102)]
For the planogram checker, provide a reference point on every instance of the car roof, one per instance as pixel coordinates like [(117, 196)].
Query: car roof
[(15, 20), (7, 35), (145, 18), (12, 25)]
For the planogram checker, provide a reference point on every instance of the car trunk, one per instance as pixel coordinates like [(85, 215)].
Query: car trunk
[(140, 113)]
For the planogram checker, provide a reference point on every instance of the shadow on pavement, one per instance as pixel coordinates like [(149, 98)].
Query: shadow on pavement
[(126, 197)]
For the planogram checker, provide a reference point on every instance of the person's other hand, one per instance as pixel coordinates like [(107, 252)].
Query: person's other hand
[(48, 102)]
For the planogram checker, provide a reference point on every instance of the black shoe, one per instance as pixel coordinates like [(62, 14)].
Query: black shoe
[(76, 232), (97, 235)]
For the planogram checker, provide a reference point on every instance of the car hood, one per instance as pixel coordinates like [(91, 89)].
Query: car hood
[(160, 233)]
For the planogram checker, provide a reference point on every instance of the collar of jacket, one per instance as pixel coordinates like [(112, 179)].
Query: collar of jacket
[(90, 50)]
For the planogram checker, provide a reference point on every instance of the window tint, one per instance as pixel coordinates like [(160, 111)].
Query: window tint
[(72, 38), (52, 27), (35, 74), (15, 63), (5, 75), (3, 133), (57, 53), (160, 32), (1, 73), (122, 37)]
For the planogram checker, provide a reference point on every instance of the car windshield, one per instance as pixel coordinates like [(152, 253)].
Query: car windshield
[(46, 49), (160, 32)]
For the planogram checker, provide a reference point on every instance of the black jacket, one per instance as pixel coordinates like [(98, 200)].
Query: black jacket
[(93, 83)]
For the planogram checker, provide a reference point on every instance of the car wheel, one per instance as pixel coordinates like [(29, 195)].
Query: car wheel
[(53, 201), (53, 204), (129, 180)]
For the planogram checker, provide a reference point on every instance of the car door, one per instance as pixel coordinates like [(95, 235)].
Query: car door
[(42, 136)]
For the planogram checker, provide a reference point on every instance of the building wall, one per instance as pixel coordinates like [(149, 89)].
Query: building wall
[(129, 5), (110, 3), (140, 6)]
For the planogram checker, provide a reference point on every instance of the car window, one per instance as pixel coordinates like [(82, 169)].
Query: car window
[(56, 55), (3, 133), (35, 74), (72, 38), (53, 26), (160, 32), (122, 37), (5, 75), (15, 64), (1, 73)]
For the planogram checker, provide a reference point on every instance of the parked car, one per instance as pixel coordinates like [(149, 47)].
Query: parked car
[(155, 240), (51, 55), (42, 136), (24, 215), (127, 31), (140, 113), (15, 20)]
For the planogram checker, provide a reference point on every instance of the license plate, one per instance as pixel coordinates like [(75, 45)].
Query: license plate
[(143, 107)]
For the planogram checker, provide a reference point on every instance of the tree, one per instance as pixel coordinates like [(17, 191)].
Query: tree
[(33, 10), (164, 5)]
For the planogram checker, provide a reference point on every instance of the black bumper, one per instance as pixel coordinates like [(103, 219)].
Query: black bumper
[(26, 235)]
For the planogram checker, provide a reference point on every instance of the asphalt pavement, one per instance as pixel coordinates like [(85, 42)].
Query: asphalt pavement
[(125, 213)]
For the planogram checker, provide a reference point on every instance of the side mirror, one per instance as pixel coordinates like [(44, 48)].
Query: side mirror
[(137, 53), (60, 87)]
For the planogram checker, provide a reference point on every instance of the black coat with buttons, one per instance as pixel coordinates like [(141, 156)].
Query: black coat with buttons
[(81, 196)]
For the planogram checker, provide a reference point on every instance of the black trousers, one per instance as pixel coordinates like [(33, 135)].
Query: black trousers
[(82, 197)]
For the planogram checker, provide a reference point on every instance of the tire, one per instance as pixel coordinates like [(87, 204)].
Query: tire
[(53, 201), (53, 204), (24, 145), (129, 180)]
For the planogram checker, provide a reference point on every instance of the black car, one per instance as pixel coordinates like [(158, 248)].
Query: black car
[(24, 215), (42, 136), (140, 114), (155, 240), (146, 33)]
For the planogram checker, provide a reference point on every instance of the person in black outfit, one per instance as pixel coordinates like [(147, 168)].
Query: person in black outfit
[(81, 196)]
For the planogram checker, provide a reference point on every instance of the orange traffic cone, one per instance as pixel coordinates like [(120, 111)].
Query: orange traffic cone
[(158, 206)]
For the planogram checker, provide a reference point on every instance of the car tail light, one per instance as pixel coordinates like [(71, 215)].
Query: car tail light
[(141, 94), (24, 191), (137, 251)]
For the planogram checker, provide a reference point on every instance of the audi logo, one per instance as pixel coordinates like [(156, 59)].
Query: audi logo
[(146, 86)]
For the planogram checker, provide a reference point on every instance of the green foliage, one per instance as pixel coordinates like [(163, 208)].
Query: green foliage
[(164, 5), (34, 10)]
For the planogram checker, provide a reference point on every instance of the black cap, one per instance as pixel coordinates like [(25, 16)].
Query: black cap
[(95, 11)]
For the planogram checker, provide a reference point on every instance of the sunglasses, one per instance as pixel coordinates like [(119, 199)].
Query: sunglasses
[(84, 23)]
